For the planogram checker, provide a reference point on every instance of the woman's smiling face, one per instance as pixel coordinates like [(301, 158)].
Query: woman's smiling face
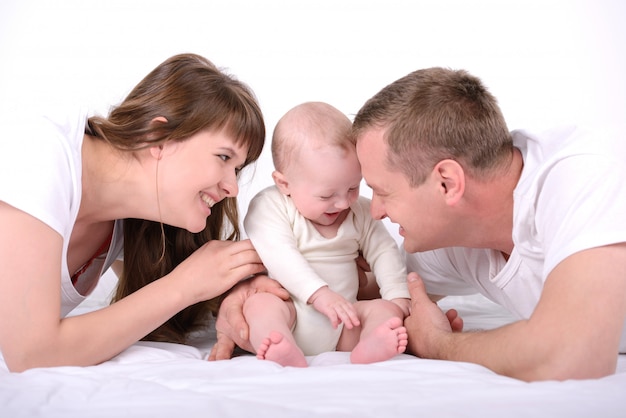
[(195, 174)]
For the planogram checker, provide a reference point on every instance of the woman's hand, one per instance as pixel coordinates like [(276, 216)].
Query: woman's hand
[(231, 326), (216, 267)]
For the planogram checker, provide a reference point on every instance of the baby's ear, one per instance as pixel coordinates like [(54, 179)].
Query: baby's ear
[(281, 182)]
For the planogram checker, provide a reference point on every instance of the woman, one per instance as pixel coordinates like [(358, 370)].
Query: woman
[(77, 190)]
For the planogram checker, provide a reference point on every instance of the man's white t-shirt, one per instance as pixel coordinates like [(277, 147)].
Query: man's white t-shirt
[(41, 169), (571, 196)]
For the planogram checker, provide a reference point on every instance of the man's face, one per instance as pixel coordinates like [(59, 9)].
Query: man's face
[(412, 208)]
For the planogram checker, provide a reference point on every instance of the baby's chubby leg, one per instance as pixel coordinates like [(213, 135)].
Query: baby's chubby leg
[(270, 320), (382, 334)]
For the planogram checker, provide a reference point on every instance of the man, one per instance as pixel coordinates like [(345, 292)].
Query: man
[(536, 224)]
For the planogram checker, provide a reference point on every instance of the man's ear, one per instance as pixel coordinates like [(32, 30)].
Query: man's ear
[(281, 182), (451, 179)]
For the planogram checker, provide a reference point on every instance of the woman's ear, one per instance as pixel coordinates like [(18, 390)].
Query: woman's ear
[(281, 182), (451, 179), (157, 150)]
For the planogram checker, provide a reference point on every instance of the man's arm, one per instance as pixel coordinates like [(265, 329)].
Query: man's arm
[(574, 332)]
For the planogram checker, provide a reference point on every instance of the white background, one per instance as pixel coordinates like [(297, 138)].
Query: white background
[(548, 62)]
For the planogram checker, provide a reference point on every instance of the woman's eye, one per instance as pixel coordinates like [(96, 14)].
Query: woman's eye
[(224, 157)]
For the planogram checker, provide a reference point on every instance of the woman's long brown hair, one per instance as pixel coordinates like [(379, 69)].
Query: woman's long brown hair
[(192, 95)]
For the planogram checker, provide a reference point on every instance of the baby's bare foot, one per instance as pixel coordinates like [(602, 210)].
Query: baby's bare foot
[(279, 349), (387, 340)]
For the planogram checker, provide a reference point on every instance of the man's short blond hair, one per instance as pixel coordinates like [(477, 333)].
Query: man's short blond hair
[(434, 114)]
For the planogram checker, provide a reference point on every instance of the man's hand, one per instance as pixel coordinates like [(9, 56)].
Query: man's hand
[(456, 322), (427, 323), (231, 326)]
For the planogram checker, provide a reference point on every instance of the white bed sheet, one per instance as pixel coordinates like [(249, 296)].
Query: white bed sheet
[(164, 380)]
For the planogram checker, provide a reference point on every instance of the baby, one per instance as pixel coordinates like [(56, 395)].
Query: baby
[(309, 229)]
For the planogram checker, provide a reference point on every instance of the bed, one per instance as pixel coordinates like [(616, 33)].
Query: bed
[(164, 380)]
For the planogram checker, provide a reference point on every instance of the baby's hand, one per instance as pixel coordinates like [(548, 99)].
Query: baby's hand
[(335, 307), (404, 304)]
